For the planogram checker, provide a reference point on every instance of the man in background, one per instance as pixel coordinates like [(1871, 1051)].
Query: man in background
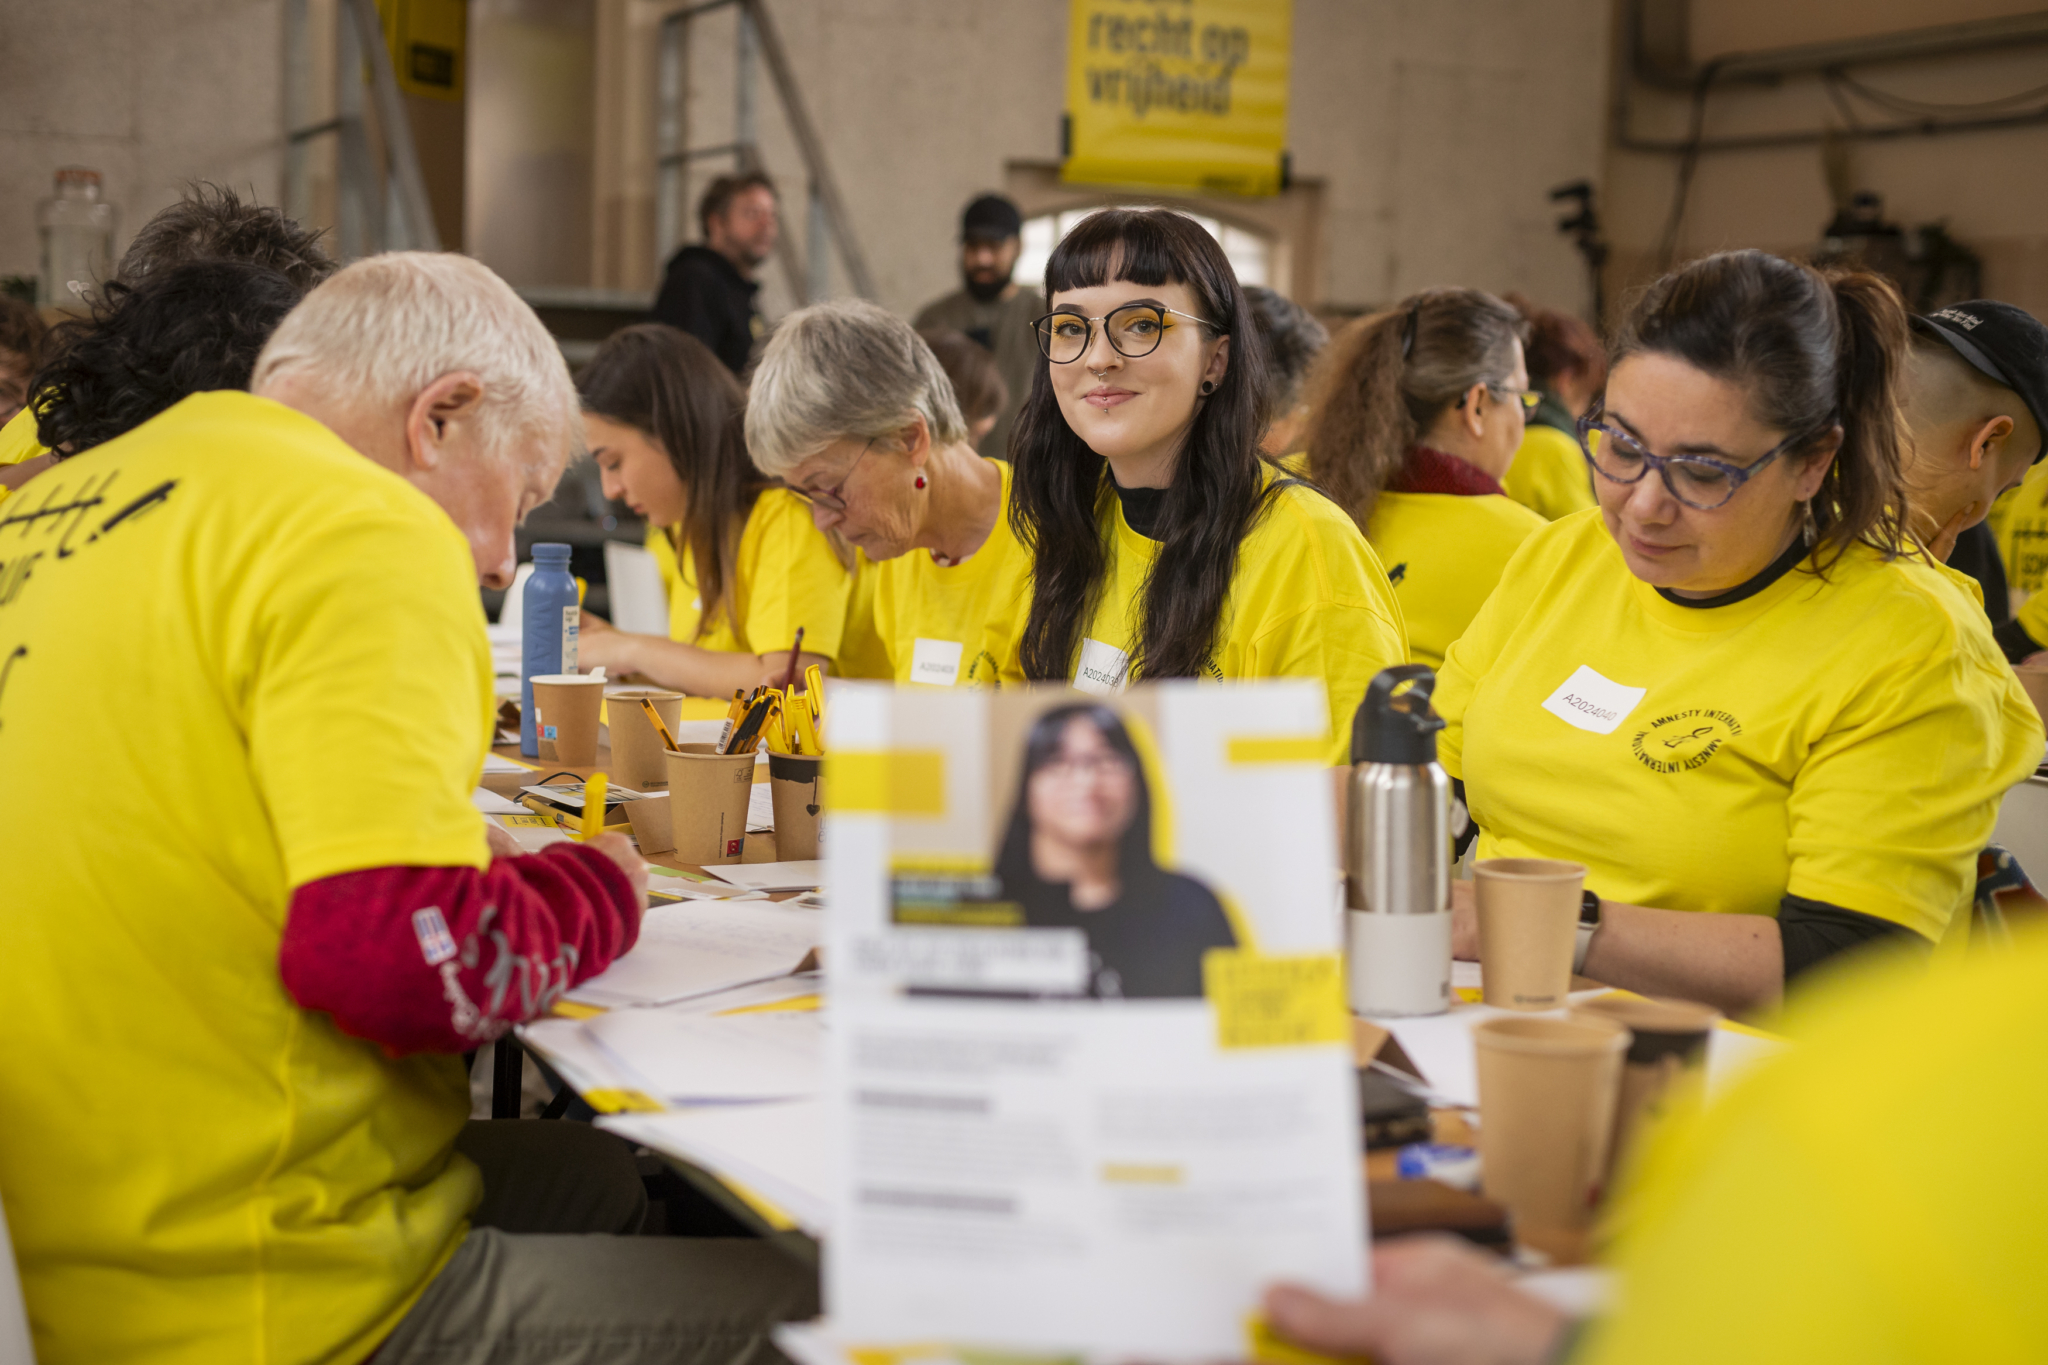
[(1975, 395), (992, 308), (709, 288)]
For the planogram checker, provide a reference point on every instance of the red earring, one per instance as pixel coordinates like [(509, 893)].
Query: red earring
[(920, 481)]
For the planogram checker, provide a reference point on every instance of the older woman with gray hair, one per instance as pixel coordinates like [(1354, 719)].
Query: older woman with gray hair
[(850, 408)]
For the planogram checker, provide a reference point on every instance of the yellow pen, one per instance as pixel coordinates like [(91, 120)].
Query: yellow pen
[(660, 728), (733, 716), (814, 691), (593, 807), (807, 731)]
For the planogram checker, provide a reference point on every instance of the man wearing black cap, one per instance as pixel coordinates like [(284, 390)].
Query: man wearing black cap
[(1975, 397), (992, 308)]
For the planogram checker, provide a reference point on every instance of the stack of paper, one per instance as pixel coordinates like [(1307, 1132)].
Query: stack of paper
[(689, 1058), (697, 948), (800, 876), (776, 1151)]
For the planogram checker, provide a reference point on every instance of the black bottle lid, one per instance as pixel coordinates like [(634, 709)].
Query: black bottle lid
[(1397, 727)]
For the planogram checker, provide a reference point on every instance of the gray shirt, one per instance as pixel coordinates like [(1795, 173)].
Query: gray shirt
[(1005, 328)]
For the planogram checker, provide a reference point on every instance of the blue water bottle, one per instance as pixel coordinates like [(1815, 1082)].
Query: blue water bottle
[(549, 641)]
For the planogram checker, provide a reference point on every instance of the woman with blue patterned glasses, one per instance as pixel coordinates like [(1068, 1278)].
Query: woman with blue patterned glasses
[(1771, 727)]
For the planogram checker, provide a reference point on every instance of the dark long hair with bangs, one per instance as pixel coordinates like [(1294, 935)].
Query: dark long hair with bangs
[(667, 385), (1218, 488)]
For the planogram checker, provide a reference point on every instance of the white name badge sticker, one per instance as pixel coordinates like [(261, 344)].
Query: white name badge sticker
[(1101, 669), (1592, 702), (935, 661)]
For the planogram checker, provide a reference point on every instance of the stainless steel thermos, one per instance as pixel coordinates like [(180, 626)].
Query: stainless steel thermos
[(1397, 851)]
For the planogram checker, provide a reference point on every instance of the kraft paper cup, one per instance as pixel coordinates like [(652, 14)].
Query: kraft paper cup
[(1528, 926), (1667, 1043), (639, 758), (707, 803), (2034, 677), (797, 788), (1547, 1093), (565, 717)]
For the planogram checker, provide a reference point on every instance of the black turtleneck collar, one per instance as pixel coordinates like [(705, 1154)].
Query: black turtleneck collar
[(1143, 508)]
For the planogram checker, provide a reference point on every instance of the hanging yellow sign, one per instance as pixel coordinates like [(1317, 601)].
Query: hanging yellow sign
[(427, 39), (1180, 94)]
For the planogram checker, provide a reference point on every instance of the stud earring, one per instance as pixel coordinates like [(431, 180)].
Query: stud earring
[(1208, 387), (920, 481)]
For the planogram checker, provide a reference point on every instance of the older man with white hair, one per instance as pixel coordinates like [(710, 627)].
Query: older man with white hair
[(255, 921)]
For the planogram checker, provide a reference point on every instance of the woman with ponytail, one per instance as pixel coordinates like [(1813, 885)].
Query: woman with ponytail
[(1163, 545), (1742, 696), (1415, 417)]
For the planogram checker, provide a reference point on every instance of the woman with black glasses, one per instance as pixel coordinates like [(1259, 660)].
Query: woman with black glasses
[(1742, 696), (1164, 546), (1415, 417)]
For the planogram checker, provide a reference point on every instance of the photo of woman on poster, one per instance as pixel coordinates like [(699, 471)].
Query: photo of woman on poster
[(1078, 855)]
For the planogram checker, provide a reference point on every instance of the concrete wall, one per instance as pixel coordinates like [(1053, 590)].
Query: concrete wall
[(1431, 128), (151, 93), (1983, 185), (1435, 127)]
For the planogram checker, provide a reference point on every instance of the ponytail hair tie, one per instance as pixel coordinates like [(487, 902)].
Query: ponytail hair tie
[(1408, 326)]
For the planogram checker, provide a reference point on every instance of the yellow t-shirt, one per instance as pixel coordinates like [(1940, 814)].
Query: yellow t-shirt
[(863, 653), (931, 620), (241, 657), (18, 442), (1819, 1210), (1846, 740), (1444, 553), (1550, 476), (786, 575), (1308, 599), (2020, 521)]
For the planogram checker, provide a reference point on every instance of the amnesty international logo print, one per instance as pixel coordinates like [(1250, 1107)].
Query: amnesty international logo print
[(1684, 740)]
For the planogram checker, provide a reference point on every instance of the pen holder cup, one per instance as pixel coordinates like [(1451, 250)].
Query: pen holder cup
[(565, 712), (707, 803), (796, 785), (638, 755)]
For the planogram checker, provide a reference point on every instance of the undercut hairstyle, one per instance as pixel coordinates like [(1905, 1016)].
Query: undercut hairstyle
[(1387, 378), (189, 329), (381, 330), (978, 385), (839, 370), (1293, 340), (1941, 387), (213, 224), (1220, 487), (671, 388), (1813, 350), (718, 196), (1560, 346)]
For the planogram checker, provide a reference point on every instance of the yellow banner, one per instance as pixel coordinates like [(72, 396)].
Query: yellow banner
[(1179, 94), (427, 39)]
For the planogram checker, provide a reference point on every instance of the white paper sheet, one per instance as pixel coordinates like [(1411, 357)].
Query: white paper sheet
[(802, 876), (494, 763), (760, 809), (533, 838), (695, 948), (687, 1058), (490, 803), (776, 1150)]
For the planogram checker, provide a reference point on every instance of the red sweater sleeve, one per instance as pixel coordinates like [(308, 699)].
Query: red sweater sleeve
[(440, 959)]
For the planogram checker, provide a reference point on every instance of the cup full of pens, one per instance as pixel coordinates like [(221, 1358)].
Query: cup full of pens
[(709, 783)]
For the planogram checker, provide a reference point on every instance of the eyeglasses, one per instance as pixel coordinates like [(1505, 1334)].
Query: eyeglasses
[(1695, 480), (1530, 399), (829, 498), (1069, 767), (1134, 331)]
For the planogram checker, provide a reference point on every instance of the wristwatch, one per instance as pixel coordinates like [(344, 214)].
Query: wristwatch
[(1589, 925)]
